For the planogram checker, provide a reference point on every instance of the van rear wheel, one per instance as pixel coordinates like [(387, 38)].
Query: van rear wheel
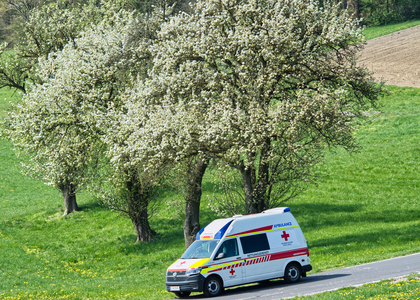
[(213, 286), (292, 273)]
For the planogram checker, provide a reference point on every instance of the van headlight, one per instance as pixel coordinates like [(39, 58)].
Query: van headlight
[(193, 271)]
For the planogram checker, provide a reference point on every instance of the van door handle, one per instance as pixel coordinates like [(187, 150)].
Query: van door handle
[(238, 258)]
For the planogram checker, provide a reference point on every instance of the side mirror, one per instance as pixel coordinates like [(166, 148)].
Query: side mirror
[(221, 255)]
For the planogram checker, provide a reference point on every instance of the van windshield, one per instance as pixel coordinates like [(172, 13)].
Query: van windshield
[(200, 249)]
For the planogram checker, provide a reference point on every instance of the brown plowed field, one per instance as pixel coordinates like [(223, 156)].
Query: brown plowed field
[(395, 57)]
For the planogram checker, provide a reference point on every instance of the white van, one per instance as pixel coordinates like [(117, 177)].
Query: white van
[(240, 250)]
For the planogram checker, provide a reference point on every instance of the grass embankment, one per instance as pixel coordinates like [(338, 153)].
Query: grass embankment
[(377, 31), (401, 289), (365, 209)]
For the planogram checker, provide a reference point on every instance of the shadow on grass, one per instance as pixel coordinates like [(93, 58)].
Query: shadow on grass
[(352, 228), (168, 234), (92, 206), (321, 215), (365, 239)]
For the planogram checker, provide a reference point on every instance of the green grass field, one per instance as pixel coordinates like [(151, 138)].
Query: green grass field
[(367, 206), (365, 209), (377, 31), (401, 289)]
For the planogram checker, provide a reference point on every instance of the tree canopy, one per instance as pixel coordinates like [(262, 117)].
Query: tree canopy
[(65, 121), (264, 86), (58, 123)]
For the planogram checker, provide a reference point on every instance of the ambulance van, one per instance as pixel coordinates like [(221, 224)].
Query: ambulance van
[(240, 250)]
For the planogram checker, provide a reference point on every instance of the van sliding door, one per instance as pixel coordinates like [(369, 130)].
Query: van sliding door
[(257, 258)]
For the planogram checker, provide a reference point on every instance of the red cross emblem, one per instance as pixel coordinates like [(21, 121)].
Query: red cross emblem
[(232, 271), (285, 235)]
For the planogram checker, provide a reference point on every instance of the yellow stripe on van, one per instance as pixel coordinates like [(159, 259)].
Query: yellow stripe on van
[(200, 263), (206, 270), (284, 228), (254, 232)]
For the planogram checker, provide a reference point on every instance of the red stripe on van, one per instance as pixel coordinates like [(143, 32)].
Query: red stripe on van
[(259, 259), (253, 230), (291, 253)]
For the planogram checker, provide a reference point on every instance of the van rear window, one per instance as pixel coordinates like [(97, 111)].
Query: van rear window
[(254, 243)]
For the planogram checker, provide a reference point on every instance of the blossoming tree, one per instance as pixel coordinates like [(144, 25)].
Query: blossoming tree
[(47, 29), (59, 122), (263, 85)]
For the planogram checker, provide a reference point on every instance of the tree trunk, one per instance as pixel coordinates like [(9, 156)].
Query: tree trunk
[(138, 201), (69, 197), (260, 195), (192, 199), (356, 7), (261, 200), (143, 231), (248, 177), (255, 188)]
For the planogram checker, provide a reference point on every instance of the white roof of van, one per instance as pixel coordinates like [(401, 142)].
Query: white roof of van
[(217, 228)]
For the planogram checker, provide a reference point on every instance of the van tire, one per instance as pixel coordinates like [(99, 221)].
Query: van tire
[(213, 286), (182, 294), (292, 273)]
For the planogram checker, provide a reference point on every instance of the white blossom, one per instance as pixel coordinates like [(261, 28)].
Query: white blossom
[(253, 83)]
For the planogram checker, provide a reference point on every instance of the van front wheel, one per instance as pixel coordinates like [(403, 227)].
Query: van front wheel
[(292, 273), (213, 286)]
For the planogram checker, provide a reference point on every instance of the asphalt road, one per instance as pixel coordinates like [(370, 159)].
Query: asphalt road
[(326, 281)]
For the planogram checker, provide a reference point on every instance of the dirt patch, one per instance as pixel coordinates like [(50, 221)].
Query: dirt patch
[(395, 57)]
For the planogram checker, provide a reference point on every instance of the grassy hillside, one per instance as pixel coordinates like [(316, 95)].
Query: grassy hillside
[(365, 209), (377, 31), (402, 289)]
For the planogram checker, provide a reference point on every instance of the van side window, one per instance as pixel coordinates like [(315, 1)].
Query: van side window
[(255, 243), (229, 248)]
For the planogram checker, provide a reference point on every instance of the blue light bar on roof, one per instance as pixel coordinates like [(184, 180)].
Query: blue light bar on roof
[(287, 209), (197, 236), (222, 231)]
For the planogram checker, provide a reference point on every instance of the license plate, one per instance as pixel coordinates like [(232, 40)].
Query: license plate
[(174, 288)]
